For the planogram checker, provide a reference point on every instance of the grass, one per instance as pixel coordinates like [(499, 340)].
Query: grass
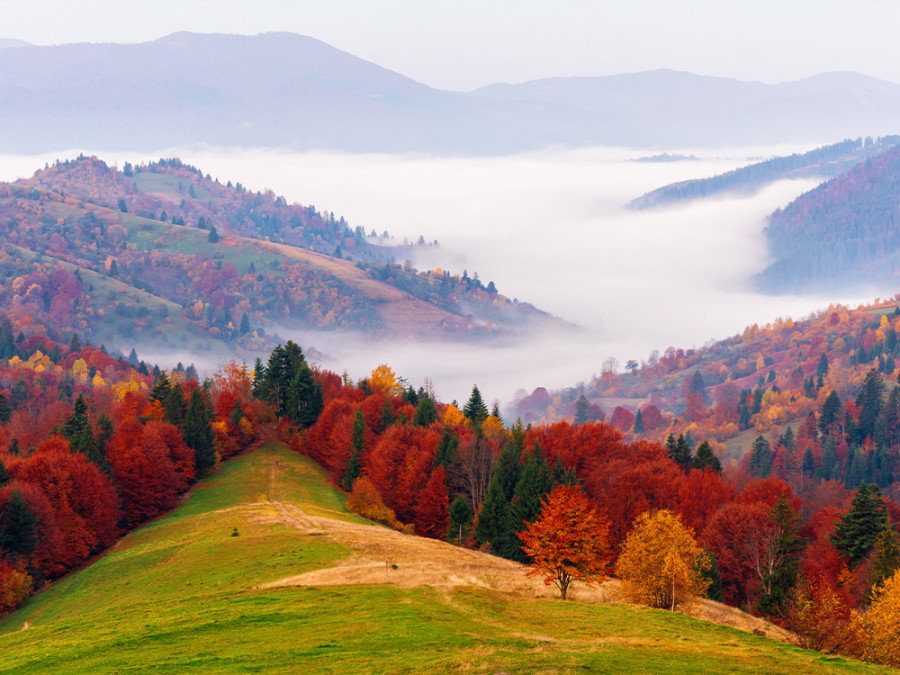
[(179, 595)]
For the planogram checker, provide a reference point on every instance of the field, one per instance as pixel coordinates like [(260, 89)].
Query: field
[(262, 569)]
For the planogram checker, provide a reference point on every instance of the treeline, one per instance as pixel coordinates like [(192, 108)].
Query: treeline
[(827, 161)]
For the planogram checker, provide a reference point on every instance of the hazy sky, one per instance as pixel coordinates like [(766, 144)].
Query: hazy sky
[(463, 44)]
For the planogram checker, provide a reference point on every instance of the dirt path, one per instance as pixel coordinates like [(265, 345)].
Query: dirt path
[(381, 555)]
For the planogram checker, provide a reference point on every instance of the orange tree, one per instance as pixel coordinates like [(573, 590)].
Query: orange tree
[(568, 542), (881, 624), (661, 564)]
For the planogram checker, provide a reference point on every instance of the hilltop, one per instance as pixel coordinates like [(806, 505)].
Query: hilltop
[(162, 255), (199, 588)]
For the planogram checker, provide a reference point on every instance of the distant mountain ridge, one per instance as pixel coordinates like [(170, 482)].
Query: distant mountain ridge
[(287, 90)]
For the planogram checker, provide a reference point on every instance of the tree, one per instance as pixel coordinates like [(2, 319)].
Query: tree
[(761, 458), (856, 532), (475, 409), (881, 624), (18, 527), (887, 556), (198, 433), (679, 450), (357, 445), (778, 556), (461, 515), (661, 564), (584, 413), (569, 542), (426, 414), (706, 458), (432, 517), (535, 481), (213, 236)]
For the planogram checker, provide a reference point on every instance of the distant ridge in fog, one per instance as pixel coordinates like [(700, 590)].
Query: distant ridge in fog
[(287, 90)]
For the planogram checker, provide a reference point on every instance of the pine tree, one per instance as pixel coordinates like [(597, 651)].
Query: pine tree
[(493, 520), (213, 236), (18, 527), (74, 344), (304, 400), (789, 546), (7, 339), (638, 422), (4, 475), (583, 411), (535, 482), (461, 515), (830, 411), (245, 324), (761, 458), (357, 447), (870, 401), (174, 405), (887, 555), (446, 449), (706, 458), (856, 532), (5, 409), (680, 450), (426, 414), (198, 433), (475, 410), (160, 388)]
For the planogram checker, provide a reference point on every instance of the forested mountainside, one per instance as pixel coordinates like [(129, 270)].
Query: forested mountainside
[(824, 162), (161, 254), (804, 400), (843, 234)]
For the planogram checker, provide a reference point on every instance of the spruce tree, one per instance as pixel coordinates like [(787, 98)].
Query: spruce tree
[(426, 413), (887, 555), (829, 412), (174, 406), (856, 532), (706, 458), (789, 545), (461, 515), (680, 450), (18, 527), (446, 449), (357, 446), (4, 475), (304, 399), (198, 433), (761, 458), (475, 410), (583, 411), (5, 409), (535, 483), (160, 388)]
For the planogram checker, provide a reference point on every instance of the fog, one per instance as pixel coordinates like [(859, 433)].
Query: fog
[(548, 228)]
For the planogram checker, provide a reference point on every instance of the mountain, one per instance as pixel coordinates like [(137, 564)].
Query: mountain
[(825, 162), (286, 90), (8, 42), (161, 256), (844, 234)]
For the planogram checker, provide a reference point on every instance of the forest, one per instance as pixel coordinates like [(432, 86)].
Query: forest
[(92, 445), (842, 234), (825, 162)]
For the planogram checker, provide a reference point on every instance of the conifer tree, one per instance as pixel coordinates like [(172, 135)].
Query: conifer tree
[(761, 458), (4, 475), (304, 399), (426, 414), (461, 515), (198, 433), (788, 546), (493, 520), (583, 411), (18, 527), (446, 449), (357, 446), (887, 555), (679, 450), (856, 532), (535, 482), (638, 422), (829, 412), (475, 410), (174, 405), (5, 409), (706, 458), (160, 388)]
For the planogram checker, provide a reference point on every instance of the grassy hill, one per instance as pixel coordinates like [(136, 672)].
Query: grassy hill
[(182, 594)]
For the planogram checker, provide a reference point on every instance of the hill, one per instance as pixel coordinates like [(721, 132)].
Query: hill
[(825, 162), (286, 90), (842, 235), (162, 256), (195, 589)]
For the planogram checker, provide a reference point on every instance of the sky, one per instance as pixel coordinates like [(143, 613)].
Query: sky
[(464, 44)]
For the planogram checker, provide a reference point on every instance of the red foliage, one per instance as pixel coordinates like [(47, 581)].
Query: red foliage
[(729, 532), (622, 419), (433, 507), (700, 495), (399, 466)]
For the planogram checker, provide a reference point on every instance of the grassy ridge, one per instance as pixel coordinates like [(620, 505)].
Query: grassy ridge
[(178, 595)]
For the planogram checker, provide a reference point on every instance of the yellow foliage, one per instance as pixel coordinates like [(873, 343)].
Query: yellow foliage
[(493, 429), (98, 381), (452, 416), (15, 362), (121, 388), (881, 624), (80, 371), (383, 380), (660, 562)]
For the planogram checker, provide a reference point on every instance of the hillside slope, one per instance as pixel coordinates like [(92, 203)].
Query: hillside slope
[(844, 234), (163, 256), (194, 590)]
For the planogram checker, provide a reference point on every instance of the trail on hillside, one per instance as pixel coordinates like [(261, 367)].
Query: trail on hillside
[(381, 555)]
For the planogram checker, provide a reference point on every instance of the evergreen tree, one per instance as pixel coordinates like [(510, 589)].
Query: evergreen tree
[(698, 386), (18, 527), (198, 433), (680, 450), (494, 520), (706, 458), (213, 236), (245, 324), (829, 466), (495, 411), (446, 449), (160, 388), (475, 410), (4, 476), (5, 409), (461, 515), (789, 546), (822, 368), (74, 344), (870, 401), (387, 416), (744, 410), (357, 446), (856, 532), (426, 413), (304, 398), (638, 422), (761, 458), (583, 411), (7, 339), (809, 463), (535, 483), (830, 411), (77, 428), (887, 555), (174, 405), (259, 376)]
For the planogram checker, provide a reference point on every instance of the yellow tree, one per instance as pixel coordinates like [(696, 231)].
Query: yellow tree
[(383, 380), (569, 541), (881, 624), (661, 564)]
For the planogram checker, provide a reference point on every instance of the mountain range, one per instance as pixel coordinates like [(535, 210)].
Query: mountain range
[(288, 90)]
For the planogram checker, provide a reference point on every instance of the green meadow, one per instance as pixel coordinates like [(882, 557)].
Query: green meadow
[(180, 595)]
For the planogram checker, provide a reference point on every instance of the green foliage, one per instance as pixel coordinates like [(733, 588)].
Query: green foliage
[(426, 413), (706, 458), (18, 527), (535, 482), (198, 433), (461, 515), (887, 556), (475, 409), (761, 458), (679, 450), (788, 547), (856, 532)]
